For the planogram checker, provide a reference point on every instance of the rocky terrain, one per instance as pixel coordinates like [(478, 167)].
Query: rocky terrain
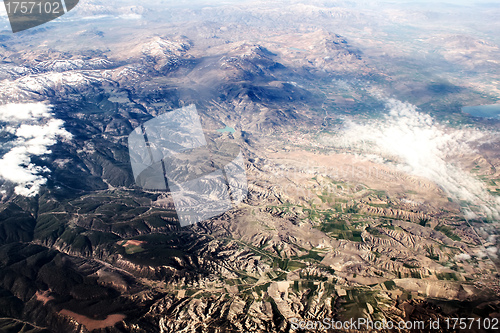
[(338, 222)]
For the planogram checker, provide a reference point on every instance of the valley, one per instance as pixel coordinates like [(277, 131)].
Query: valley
[(370, 193)]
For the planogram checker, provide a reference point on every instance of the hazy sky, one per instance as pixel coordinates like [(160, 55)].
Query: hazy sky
[(118, 7)]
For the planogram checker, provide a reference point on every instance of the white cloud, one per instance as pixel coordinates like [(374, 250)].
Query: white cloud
[(419, 145), (14, 112), (492, 252), (462, 257), (35, 130)]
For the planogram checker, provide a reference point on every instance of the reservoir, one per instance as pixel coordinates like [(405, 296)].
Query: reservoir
[(227, 129), (483, 111)]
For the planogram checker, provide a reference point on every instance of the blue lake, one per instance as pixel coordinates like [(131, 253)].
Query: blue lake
[(227, 129), (483, 111)]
